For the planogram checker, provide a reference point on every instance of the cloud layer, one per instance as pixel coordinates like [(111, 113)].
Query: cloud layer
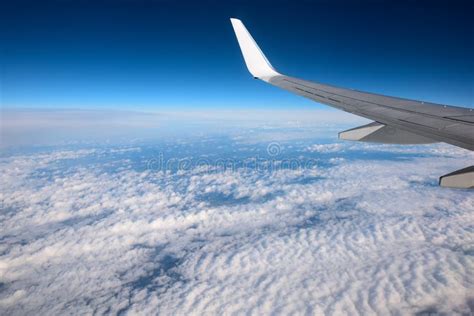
[(366, 230), (61, 126)]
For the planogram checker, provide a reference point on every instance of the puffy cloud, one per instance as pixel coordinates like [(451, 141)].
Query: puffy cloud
[(353, 235)]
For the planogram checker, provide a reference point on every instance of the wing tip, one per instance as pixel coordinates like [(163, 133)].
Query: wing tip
[(257, 64), (235, 21)]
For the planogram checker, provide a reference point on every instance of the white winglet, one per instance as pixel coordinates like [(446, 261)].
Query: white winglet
[(256, 62)]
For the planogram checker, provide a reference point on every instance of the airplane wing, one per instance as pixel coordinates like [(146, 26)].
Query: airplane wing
[(396, 120)]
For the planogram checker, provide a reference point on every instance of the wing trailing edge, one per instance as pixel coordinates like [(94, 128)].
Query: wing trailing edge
[(376, 132)]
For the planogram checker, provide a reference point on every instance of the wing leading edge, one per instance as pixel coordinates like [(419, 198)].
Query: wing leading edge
[(397, 120)]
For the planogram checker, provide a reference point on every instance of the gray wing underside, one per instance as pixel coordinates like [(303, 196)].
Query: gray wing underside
[(423, 122), (450, 124)]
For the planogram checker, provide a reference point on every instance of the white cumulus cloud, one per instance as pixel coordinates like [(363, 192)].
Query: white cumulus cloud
[(356, 236)]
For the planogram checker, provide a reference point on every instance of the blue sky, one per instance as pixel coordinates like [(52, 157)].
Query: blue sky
[(177, 55)]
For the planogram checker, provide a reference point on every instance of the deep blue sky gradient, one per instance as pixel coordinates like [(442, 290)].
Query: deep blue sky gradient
[(176, 54)]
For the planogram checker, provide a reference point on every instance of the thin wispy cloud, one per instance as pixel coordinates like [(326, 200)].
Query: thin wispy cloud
[(26, 127)]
